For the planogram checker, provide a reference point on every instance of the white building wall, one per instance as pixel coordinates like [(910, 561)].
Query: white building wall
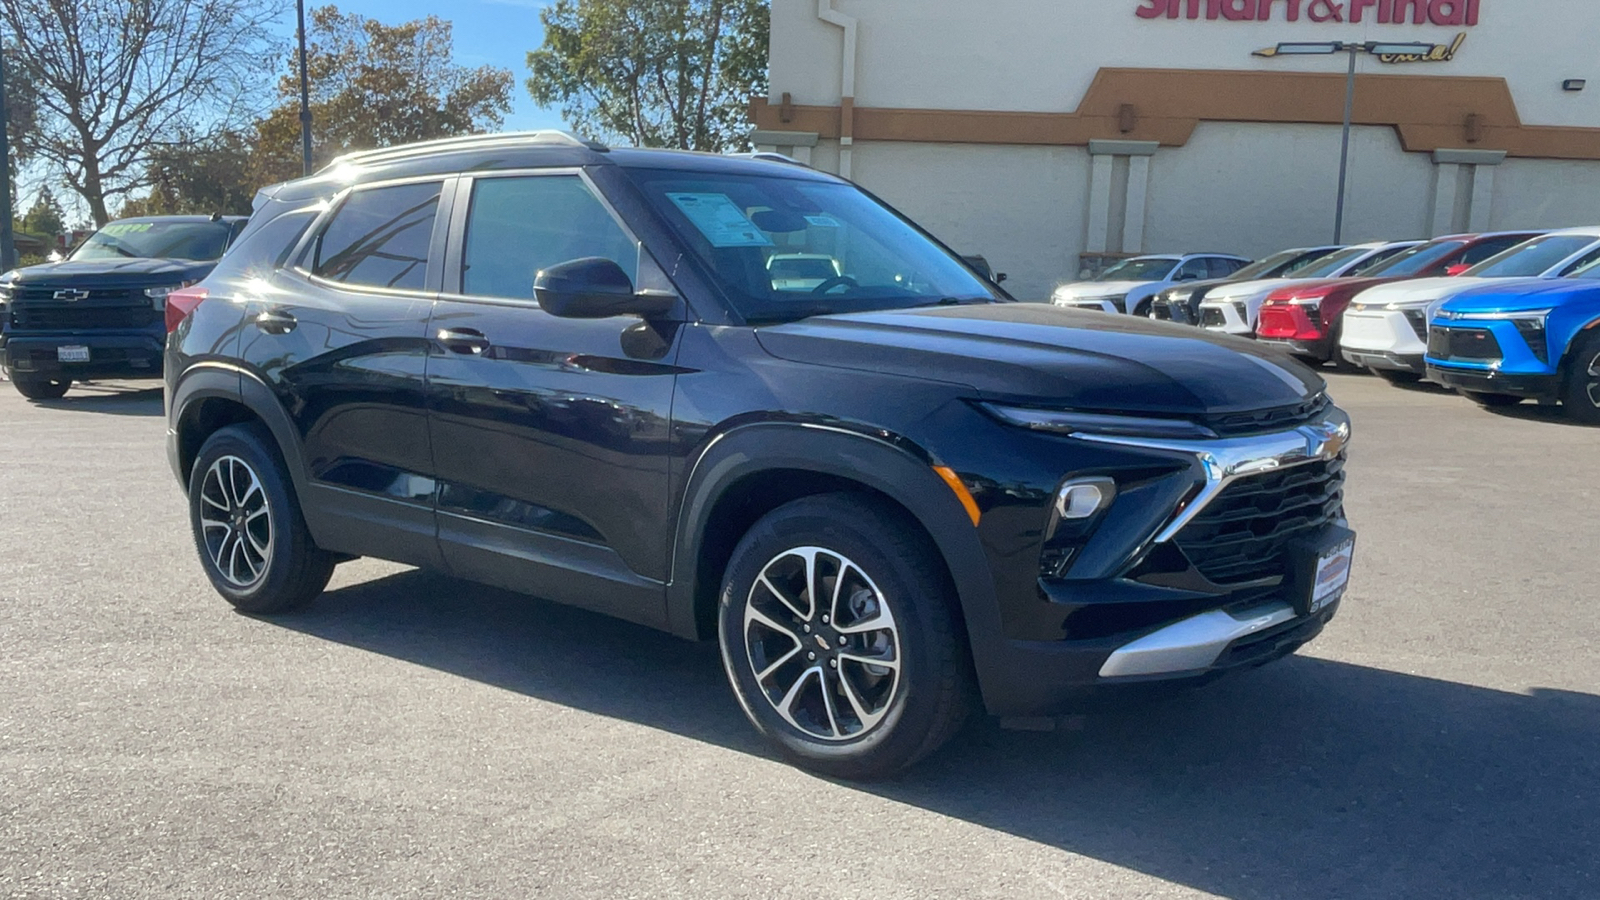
[(1546, 193)]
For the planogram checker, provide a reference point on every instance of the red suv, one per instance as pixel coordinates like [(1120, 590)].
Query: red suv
[(1305, 317)]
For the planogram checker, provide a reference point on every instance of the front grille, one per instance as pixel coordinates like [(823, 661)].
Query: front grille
[(1210, 316), (56, 316), (95, 296), (1267, 420), (1244, 535), (1476, 344)]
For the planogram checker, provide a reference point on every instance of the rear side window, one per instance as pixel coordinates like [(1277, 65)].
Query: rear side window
[(267, 247), (520, 225), (1222, 268), (380, 237), (1193, 270)]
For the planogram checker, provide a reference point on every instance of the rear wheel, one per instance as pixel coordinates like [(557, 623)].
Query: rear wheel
[(1492, 401), (1582, 395), (247, 525), (1397, 376), (36, 388), (840, 637)]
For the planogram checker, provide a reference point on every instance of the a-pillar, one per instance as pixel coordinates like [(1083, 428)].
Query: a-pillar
[(1119, 193), (1463, 195)]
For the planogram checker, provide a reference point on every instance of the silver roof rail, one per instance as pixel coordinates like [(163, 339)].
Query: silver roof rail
[(770, 156), (549, 137)]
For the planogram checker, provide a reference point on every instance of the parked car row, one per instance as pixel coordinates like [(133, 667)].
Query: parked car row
[(1500, 317)]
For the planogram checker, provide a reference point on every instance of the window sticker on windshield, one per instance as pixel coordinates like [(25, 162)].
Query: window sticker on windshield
[(823, 221), (721, 220), (127, 228)]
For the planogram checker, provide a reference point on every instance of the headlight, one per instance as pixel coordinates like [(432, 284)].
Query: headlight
[(1538, 315), (1059, 421)]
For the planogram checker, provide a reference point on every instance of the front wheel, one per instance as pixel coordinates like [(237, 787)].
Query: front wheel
[(247, 525), (36, 388), (840, 637), (1492, 401), (1582, 395)]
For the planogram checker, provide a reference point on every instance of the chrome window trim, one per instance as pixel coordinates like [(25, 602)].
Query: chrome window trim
[(1228, 460)]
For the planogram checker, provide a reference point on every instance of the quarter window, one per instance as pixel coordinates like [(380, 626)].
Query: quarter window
[(518, 226), (380, 237)]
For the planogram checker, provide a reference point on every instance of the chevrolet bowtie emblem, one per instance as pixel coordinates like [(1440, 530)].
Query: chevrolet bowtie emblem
[(71, 295), (1326, 440)]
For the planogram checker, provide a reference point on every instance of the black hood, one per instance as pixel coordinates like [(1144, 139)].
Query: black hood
[(111, 273), (1046, 355)]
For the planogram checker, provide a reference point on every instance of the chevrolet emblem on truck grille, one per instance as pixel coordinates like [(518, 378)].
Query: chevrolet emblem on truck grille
[(70, 295)]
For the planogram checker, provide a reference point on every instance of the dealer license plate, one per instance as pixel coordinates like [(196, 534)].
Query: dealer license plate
[(72, 353), (1333, 576)]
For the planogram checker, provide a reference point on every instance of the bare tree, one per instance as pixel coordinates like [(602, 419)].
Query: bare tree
[(118, 81)]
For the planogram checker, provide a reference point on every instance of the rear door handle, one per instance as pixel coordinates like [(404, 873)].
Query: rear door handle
[(276, 321), (463, 340)]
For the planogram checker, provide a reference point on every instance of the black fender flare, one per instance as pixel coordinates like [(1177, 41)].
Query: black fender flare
[(208, 380), (894, 468)]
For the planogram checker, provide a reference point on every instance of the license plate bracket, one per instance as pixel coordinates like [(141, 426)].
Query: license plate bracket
[(1320, 570), (72, 353)]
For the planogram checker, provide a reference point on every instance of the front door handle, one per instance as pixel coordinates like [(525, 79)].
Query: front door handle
[(276, 321), (463, 340)]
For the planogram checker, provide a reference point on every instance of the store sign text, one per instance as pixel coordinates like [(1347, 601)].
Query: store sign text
[(1387, 12)]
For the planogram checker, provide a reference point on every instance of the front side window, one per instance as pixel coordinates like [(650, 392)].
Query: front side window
[(1193, 270), (1416, 260), (787, 248), (518, 226), (1376, 260), (1222, 267), (380, 237), (156, 239), (1533, 258)]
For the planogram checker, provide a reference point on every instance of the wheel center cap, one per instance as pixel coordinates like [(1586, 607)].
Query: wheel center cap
[(822, 642)]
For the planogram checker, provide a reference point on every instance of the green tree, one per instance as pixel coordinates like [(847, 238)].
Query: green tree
[(117, 80), (376, 85), (654, 73), (45, 217), (202, 176)]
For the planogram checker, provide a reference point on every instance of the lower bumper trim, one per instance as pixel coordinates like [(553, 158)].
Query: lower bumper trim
[(1194, 644)]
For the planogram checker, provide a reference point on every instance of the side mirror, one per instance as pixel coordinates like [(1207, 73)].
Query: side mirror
[(595, 288), (1457, 269)]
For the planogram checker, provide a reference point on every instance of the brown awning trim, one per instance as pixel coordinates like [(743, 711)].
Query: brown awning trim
[(1429, 112)]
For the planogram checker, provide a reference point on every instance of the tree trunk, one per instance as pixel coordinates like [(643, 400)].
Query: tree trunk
[(93, 191)]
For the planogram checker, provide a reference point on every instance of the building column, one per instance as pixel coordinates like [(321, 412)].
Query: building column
[(1463, 197), (1119, 193), (794, 144)]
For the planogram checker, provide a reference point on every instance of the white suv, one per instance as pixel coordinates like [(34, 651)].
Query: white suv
[(1131, 285), (1233, 308), (1386, 329)]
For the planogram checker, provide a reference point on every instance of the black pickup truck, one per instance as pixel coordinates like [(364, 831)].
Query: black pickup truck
[(101, 313)]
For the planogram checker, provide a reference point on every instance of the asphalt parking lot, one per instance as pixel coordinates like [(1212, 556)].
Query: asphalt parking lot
[(412, 736)]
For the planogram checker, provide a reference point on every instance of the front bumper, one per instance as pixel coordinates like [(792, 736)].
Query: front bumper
[(1494, 381), (1489, 357), (1098, 305), (1319, 351), (1226, 317), (111, 355), (1383, 339)]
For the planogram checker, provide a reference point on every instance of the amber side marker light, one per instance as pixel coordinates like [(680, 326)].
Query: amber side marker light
[(961, 492)]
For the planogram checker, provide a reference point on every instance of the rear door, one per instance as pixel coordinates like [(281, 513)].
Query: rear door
[(550, 436), (340, 338)]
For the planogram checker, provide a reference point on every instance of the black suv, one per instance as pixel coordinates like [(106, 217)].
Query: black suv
[(888, 491), (101, 313)]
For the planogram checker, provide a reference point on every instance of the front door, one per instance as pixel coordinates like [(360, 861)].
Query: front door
[(550, 436), (341, 337)]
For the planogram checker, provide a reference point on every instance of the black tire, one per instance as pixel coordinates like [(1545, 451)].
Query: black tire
[(1397, 376), (889, 565), (291, 571), (1581, 396), (35, 388), (1492, 401)]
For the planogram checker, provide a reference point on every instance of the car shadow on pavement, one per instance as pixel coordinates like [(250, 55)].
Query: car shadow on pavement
[(109, 400), (1310, 778)]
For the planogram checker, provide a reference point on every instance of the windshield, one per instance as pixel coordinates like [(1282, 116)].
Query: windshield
[(788, 248), (1333, 262), (1532, 259), (135, 239), (1139, 270), (1417, 260), (1277, 265)]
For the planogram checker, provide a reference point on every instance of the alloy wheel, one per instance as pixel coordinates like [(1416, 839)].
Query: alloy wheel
[(236, 521), (822, 643), (1594, 381)]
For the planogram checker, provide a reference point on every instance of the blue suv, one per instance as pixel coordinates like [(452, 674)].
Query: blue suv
[(1502, 345)]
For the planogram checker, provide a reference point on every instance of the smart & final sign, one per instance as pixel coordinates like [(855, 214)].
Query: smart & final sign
[(1452, 13)]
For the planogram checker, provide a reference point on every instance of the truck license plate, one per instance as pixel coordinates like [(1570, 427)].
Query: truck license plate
[(72, 353), (1333, 576)]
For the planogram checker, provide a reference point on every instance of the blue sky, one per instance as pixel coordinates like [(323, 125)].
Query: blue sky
[(487, 32)]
